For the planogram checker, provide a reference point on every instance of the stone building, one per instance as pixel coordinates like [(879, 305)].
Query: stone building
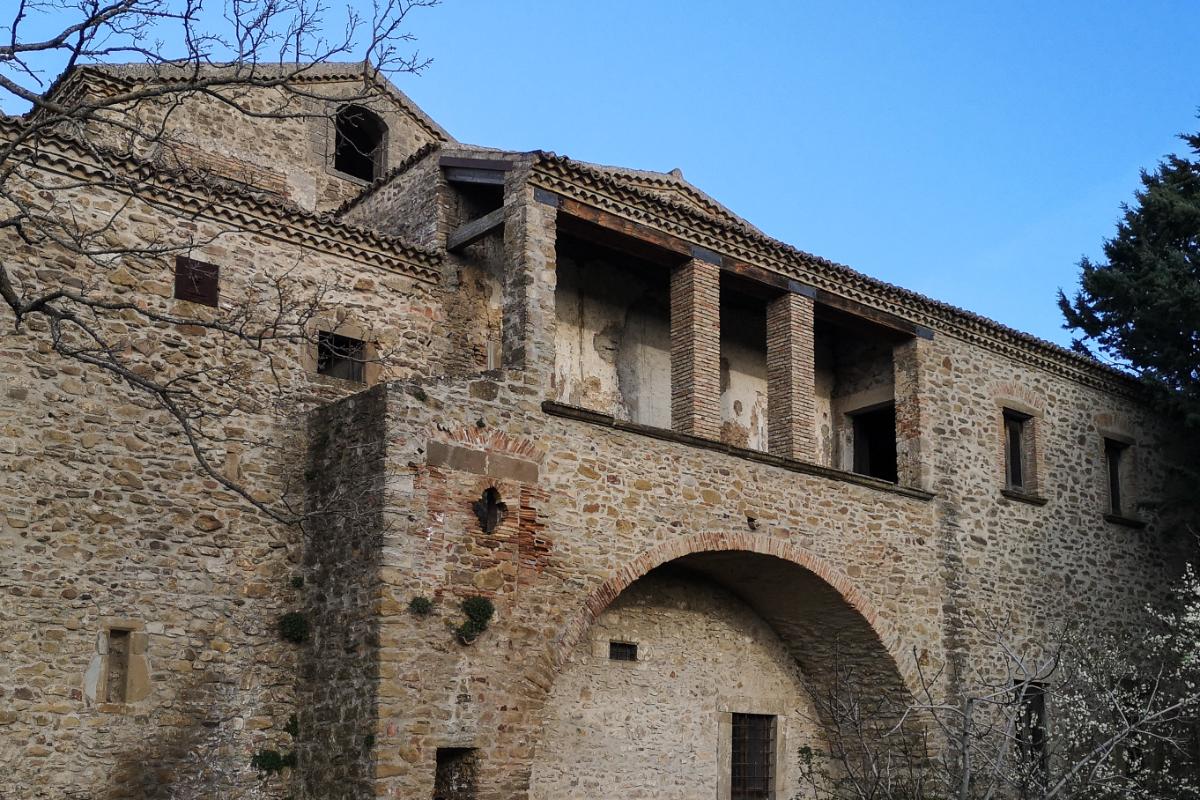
[(695, 470)]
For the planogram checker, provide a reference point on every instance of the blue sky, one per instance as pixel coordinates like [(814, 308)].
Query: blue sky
[(970, 151)]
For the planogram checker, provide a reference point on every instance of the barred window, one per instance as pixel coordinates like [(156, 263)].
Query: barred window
[(753, 757)]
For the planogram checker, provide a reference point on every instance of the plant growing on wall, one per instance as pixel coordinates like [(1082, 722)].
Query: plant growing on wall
[(270, 762), (421, 606), (479, 611)]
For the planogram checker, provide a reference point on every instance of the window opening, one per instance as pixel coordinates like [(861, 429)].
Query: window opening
[(752, 761), (455, 775), (340, 356), (1031, 722), (117, 678), (622, 651), (875, 442), (1114, 453), (197, 281), (1015, 430), (489, 509), (358, 149)]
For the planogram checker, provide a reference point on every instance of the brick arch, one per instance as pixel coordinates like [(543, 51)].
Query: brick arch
[(602, 596)]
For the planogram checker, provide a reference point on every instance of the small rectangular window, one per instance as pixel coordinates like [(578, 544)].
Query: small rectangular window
[(456, 773), (752, 757), (1031, 722), (197, 281), (117, 678), (1016, 431), (622, 651), (875, 442), (1114, 455), (340, 356)]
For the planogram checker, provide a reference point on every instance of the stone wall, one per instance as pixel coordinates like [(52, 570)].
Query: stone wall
[(106, 521), (288, 148), (702, 654), (110, 526), (338, 690)]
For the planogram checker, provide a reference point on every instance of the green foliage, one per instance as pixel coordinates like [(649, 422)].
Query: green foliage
[(272, 761), (293, 627), (368, 741), (421, 606), (297, 581), (1140, 309), (479, 611), (293, 726)]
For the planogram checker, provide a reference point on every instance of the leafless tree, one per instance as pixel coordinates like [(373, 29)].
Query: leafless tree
[(59, 245), (1088, 718)]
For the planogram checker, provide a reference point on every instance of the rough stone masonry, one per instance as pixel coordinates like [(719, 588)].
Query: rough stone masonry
[(690, 467)]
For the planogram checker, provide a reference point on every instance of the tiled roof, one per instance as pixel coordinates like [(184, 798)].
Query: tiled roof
[(228, 200)]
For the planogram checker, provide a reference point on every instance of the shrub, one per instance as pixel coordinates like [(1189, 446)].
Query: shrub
[(420, 606), (479, 611)]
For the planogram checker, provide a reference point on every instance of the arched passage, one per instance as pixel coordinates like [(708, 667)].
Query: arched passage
[(735, 625)]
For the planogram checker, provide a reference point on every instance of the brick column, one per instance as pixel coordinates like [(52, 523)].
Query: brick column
[(696, 349), (530, 234), (791, 392)]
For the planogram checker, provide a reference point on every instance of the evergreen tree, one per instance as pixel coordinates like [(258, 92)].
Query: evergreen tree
[(1141, 309)]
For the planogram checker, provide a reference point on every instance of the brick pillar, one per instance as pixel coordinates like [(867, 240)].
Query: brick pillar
[(696, 349), (530, 235), (791, 392)]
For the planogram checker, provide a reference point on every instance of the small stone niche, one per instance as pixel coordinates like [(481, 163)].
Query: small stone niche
[(116, 679), (457, 773)]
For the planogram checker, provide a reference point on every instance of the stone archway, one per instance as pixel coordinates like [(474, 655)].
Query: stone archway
[(764, 597)]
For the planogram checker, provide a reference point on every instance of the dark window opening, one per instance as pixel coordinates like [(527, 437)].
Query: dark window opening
[(875, 443), (358, 150), (622, 651), (457, 770), (197, 281), (489, 509), (1031, 722), (752, 761), (1114, 453), (1016, 426), (117, 678), (340, 356)]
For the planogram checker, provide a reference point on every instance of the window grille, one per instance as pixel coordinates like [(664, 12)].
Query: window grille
[(753, 757)]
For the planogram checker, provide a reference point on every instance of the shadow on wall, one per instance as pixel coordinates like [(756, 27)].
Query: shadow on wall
[(339, 667), (200, 758)]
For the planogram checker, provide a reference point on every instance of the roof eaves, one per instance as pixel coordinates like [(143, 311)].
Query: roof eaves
[(785, 253)]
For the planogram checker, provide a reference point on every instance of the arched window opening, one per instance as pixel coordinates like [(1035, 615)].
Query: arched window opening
[(358, 150)]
